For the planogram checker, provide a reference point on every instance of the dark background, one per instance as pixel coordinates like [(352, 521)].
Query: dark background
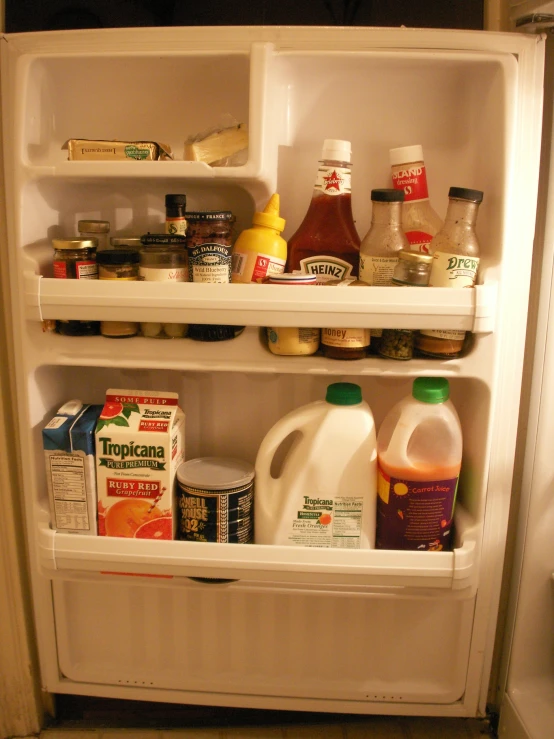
[(30, 15)]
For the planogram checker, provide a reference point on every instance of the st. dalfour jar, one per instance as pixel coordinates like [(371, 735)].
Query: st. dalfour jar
[(163, 258), (209, 247)]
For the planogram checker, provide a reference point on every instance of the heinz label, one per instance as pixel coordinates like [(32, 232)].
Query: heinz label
[(326, 268), (140, 439)]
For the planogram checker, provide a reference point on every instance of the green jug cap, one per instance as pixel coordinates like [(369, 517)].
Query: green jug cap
[(344, 393), (431, 389)]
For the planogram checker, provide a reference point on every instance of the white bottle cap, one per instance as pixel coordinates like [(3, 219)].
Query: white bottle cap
[(336, 150), (406, 154)]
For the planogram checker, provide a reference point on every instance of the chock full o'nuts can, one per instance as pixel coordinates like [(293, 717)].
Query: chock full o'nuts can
[(216, 500)]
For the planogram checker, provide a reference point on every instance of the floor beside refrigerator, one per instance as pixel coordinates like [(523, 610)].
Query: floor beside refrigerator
[(378, 727)]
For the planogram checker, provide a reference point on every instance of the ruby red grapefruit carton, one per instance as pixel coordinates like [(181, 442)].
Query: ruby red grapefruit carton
[(140, 442)]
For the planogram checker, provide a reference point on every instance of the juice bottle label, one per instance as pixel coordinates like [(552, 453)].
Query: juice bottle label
[(333, 180), (414, 515), (377, 270), (412, 178), (335, 523)]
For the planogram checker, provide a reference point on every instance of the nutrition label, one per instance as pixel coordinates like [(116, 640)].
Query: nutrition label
[(67, 473)]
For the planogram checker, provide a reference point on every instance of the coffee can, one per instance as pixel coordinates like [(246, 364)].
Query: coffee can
[(215, 500)]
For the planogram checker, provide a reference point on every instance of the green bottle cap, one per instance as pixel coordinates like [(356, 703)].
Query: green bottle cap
[(431, 389), (344, 393)]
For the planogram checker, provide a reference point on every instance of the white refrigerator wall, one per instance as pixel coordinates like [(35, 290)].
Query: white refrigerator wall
[(362, 631)]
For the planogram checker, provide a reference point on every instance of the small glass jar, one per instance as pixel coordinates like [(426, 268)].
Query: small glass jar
[(163, 262), (291, 341), (126, 242), (121, 265), (412, 270), (345, 343), (95, 230), (175, 217), (75, 259), (209, 247)]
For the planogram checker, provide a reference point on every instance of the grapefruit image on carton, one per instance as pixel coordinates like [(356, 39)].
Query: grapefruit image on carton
[(140, 440)]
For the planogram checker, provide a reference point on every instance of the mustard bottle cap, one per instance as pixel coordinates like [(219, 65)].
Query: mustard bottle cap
[(269, 217)]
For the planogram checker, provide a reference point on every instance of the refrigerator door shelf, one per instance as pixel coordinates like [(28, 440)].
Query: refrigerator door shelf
[(262, 305), (456, 570)]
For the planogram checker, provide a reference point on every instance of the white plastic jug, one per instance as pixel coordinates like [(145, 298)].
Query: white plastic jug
[(419, 450), (325, 493)]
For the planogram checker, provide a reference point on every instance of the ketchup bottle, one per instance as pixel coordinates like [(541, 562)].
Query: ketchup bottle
[(326, 243)]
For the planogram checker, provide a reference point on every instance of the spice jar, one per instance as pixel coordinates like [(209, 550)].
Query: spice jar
[(175, 218), (163, 261), (290, 341), (209, 246), (75, 259), (413, 269), (95, 230), (120, 265)]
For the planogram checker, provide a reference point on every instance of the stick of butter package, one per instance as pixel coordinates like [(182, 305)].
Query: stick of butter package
[(89, 149), (68, 441)]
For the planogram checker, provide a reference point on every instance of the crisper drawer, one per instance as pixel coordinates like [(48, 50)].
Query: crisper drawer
[(258, 640), (63, 554)]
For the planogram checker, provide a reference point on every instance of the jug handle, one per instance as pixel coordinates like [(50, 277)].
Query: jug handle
[(264, 459), (402, 433)]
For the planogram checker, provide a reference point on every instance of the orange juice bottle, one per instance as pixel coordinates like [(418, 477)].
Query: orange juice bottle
[(419, 455)]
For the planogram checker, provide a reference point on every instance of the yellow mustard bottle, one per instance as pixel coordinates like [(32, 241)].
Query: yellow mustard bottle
[(260, 251)]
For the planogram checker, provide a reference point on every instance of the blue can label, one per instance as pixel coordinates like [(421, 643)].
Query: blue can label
[(221, 516)]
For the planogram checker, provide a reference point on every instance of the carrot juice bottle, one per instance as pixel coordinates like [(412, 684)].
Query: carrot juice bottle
[(326, 243), (419, 455)]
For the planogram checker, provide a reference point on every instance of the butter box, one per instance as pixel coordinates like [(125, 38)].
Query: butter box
[(68, 442), (89, 149)]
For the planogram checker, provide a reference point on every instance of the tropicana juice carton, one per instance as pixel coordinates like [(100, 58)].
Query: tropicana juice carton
[(140, 442)]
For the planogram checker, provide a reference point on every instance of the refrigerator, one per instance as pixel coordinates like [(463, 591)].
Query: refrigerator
[(356, 631)]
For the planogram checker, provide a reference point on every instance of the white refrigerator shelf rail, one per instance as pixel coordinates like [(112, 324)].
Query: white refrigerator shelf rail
[(262, 305), (72, 553)]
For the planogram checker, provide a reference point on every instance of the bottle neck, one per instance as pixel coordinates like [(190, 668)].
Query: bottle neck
[(462, 213), (333, 178), (412, 178), (386, 214)]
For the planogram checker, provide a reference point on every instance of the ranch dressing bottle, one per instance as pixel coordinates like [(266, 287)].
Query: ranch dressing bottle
[(455, 252), (419, 220)]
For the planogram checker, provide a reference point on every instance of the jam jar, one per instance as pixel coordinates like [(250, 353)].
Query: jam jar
[(209, 247), (75, 259)]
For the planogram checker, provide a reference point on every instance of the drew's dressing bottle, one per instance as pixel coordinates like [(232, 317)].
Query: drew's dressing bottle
[(455, 251)]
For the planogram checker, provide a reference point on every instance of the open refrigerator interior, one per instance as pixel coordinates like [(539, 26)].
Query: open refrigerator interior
[(317, 629)]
